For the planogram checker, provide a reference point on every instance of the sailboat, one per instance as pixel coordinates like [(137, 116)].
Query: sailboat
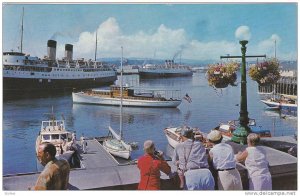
[(115, 144)]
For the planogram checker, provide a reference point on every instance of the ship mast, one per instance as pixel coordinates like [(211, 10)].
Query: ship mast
[(275, 48), (22, 30), (96, 48), (121, 92)]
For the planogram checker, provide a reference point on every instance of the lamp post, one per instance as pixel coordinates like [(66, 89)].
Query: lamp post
[(241, 133)]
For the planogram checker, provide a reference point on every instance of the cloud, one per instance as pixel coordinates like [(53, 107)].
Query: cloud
[(243, 33), (267, 46), (165, 43)]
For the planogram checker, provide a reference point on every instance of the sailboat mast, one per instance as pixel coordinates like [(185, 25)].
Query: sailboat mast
[(275, 49), (22, 29), (96, 48), (121, 91)]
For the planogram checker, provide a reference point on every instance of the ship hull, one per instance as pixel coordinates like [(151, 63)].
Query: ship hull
[(11, 84), (164, 73), (89, 99)]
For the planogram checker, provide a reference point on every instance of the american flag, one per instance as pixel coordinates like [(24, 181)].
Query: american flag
[(188, 98)]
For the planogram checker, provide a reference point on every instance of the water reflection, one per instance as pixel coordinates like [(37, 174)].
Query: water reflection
[(130, 115)]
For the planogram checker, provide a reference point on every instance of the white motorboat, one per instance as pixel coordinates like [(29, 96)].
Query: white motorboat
[(132, 97), (53, 131), (114, 143), (173, 135), (287, 103)]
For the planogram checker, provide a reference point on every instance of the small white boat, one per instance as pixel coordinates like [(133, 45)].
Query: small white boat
[(281, 104), (116, 146), (132, 97), (53, 131), (173, 135)]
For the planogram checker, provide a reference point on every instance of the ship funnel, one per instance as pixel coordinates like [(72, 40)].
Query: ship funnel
[(69, 52), (51, 49)]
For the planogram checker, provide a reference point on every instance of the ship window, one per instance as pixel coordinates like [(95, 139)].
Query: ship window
[(17, 60), (55, 136), (5, 60)]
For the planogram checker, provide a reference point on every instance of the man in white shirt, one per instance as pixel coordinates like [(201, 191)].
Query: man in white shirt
[(222, 157)]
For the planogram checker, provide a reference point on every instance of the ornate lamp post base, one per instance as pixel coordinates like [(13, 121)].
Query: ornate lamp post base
[(240, 135)]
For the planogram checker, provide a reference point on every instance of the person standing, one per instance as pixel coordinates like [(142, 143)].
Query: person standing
[(55, 175), (223, 160), (83, 143), (191, 159), (150, 165), (256, 164)]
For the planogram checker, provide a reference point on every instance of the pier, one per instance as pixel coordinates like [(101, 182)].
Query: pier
[(101, 171), (287, 84)]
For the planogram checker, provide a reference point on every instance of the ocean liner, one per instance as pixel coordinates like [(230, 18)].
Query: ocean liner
[(23, 72), (26, 73)]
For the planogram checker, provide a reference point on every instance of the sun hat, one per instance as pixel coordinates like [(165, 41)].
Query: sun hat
[(214, 135)]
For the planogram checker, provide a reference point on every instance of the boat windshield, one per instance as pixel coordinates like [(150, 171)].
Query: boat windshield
[(46, 137), (55, 136), (63, 136)]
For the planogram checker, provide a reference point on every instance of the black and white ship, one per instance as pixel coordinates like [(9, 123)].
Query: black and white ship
[(24, 72), (169, 69)]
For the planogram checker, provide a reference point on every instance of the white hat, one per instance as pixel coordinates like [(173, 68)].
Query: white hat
[(214, 135), (148, 144)]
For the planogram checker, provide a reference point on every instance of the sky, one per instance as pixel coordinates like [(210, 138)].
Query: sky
[(195, 31)]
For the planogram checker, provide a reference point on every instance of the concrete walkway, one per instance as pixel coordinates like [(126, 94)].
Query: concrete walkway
[(103, 172)]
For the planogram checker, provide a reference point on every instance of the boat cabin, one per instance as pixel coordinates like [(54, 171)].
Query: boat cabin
[(54, 131)]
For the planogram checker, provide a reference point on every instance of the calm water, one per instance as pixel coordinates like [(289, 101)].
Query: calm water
[(22, 117)]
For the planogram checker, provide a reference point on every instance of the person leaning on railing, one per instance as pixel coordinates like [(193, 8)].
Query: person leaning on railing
[(256, 164), (223, 160)]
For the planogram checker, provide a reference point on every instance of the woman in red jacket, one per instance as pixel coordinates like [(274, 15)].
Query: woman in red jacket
[(150, 165)]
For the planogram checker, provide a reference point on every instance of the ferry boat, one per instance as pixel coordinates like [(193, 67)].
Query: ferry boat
[(53, 131), (132, 97), (169, 69), (22, 72), (25, 73)]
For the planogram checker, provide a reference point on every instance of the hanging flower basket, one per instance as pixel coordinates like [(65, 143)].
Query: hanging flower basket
[(220, 76), (265, 73)]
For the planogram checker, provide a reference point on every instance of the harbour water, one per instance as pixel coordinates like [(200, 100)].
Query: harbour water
[(22, 117)]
